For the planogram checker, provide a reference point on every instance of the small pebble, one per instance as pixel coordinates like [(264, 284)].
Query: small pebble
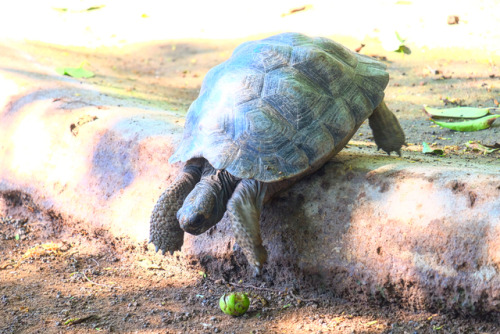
[(453, 19)]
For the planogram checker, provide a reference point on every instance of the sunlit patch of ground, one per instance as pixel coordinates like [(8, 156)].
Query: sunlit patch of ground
[(423, 24), (158, 55)]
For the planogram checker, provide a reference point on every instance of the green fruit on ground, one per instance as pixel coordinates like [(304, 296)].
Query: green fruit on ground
[(234, 304)]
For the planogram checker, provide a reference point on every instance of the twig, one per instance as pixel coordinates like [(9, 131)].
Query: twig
[(248, 286), (72, 322), (296, 10), (7, 264), (95, 261), (298, 298), (104, 285)]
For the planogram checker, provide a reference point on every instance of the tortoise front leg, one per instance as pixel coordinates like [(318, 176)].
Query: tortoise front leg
[(387, 132), (244, 209), (164, 230)]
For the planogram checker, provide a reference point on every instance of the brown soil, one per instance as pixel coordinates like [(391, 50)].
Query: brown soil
[(59, 278), (88, 281)]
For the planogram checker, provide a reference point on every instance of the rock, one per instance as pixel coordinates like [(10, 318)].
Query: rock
[(453, 19), (384, 229), (365, 225)]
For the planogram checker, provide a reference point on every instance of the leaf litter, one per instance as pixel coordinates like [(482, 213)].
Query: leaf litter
[(469, 126), (485, 149), (426, 149), (478, 118), (458, 112), (75, 72)]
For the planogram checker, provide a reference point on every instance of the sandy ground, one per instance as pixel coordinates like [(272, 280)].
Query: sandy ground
[(159, 56), (58, 278)]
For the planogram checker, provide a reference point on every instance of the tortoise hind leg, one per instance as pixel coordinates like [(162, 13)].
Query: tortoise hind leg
[(164, 230), (244, 209), (387, 132)]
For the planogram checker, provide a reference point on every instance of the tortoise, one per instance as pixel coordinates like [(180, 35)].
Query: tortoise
[(278, 109)]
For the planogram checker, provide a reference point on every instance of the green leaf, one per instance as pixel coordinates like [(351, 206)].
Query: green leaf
[(95, 8), (69, 321), (476, 146), (17, 237), (426, 149), (467, 126), (458, 112), (404, 49), (401, 40), (75, 72)]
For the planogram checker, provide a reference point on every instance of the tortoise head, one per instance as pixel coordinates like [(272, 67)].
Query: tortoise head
[(203, 207)]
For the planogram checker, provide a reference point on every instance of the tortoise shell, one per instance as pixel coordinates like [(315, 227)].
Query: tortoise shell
[(279, 105)]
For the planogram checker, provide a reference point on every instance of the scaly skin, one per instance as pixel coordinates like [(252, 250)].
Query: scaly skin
[(244, 209), (165, 232), (194, 203), (387, 132), (206, 203)]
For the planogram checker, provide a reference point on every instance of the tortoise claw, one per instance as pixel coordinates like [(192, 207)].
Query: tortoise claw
[(165, 247), (257, 271), (398, 151)]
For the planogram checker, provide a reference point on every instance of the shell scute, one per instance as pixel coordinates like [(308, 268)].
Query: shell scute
[(294, 95), (331, 74), (280, 105), (337, 51), (290, 39), (260, 128), (262, 57)]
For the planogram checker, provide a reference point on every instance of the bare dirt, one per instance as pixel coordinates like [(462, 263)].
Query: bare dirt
[(59, 278), (56, 277)]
